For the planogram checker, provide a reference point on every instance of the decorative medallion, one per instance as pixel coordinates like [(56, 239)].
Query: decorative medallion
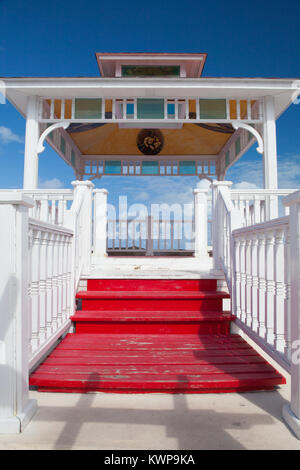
[(150, 141)]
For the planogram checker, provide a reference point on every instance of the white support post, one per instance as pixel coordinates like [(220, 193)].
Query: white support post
[(270, 155), (85, 224), (149, 241), (31, 142), (216, 185), (100, 222), (200, 209), (16, 409), (291, 412)]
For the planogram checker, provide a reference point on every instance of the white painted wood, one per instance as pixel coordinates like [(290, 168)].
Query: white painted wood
[(270, 153), (200, 210), (82, 217), (15, 407), (291, 412), (100, 222), (31, 140)]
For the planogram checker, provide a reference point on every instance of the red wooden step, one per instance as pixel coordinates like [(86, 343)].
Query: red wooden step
[(152, 284), (155, 300), (90, 321), (119, 363)]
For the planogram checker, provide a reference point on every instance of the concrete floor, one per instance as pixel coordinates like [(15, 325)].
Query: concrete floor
[(156, 421)]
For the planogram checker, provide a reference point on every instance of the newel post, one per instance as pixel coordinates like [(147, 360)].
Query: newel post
[(16, 409), (217, 227), (291, 412), (200, 208), (85, 221), (100, 222), (30, 180)]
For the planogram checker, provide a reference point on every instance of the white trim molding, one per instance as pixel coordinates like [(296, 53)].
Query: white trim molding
[(63, 124), (241, 125)]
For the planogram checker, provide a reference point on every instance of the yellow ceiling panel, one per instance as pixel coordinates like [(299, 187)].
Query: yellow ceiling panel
[(112, 140)]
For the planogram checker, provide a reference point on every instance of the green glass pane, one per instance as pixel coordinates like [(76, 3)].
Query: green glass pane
[(212, 109), (237, 146), (150, 71), (73, 158), (51, 133), (150, 108), (187, 168), (113, 168), (88, 108), (227, 158), (250, 136), (150, 168), (62, 145)]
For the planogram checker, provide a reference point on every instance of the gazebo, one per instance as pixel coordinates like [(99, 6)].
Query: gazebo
[(148, 114)]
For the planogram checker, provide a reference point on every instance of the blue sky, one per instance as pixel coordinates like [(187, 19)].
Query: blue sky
[(260, 39)]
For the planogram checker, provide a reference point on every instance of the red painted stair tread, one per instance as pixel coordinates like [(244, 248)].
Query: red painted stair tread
[(150, 336), (157, 374)]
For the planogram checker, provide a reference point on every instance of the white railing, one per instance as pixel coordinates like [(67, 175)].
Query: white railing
[(57, 258), (262, 267), (225, 219), (131, 109), (259, 205), (261, 285), (148, 235), (50, 278), (49, 205)]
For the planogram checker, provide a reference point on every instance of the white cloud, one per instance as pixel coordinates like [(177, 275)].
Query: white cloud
[(7, 136), (142, 196), (53, 183), (245, 185)]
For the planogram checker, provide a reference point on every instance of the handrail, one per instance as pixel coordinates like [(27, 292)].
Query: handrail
[(261, 286)]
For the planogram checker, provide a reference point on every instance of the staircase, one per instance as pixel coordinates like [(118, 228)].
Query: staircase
[(153, 335)]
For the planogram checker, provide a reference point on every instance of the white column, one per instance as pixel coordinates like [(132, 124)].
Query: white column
[(15, 407), (291, 412), (270, 155), (85, 222), (216, 228), (31, 141), (100, 222), (200, 208)]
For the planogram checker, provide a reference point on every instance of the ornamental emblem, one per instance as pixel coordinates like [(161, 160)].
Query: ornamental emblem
[(150, 141)]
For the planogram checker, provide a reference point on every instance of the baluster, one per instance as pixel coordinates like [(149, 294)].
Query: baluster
[(35, 290), (248, 271), (270, 287), (238, 109), (42, 287), (243, 280), (254, 287), (279, 291), (73, 109), (30, 243), (237, 271), (249, 114), (261, 257), (44, 214), (166, 108), (60, 279), (71, 300), (55, 279), (64, 276), (247, 212), (49, 287), (63, 106), (256, 207), (287, 302), (60, 217)]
